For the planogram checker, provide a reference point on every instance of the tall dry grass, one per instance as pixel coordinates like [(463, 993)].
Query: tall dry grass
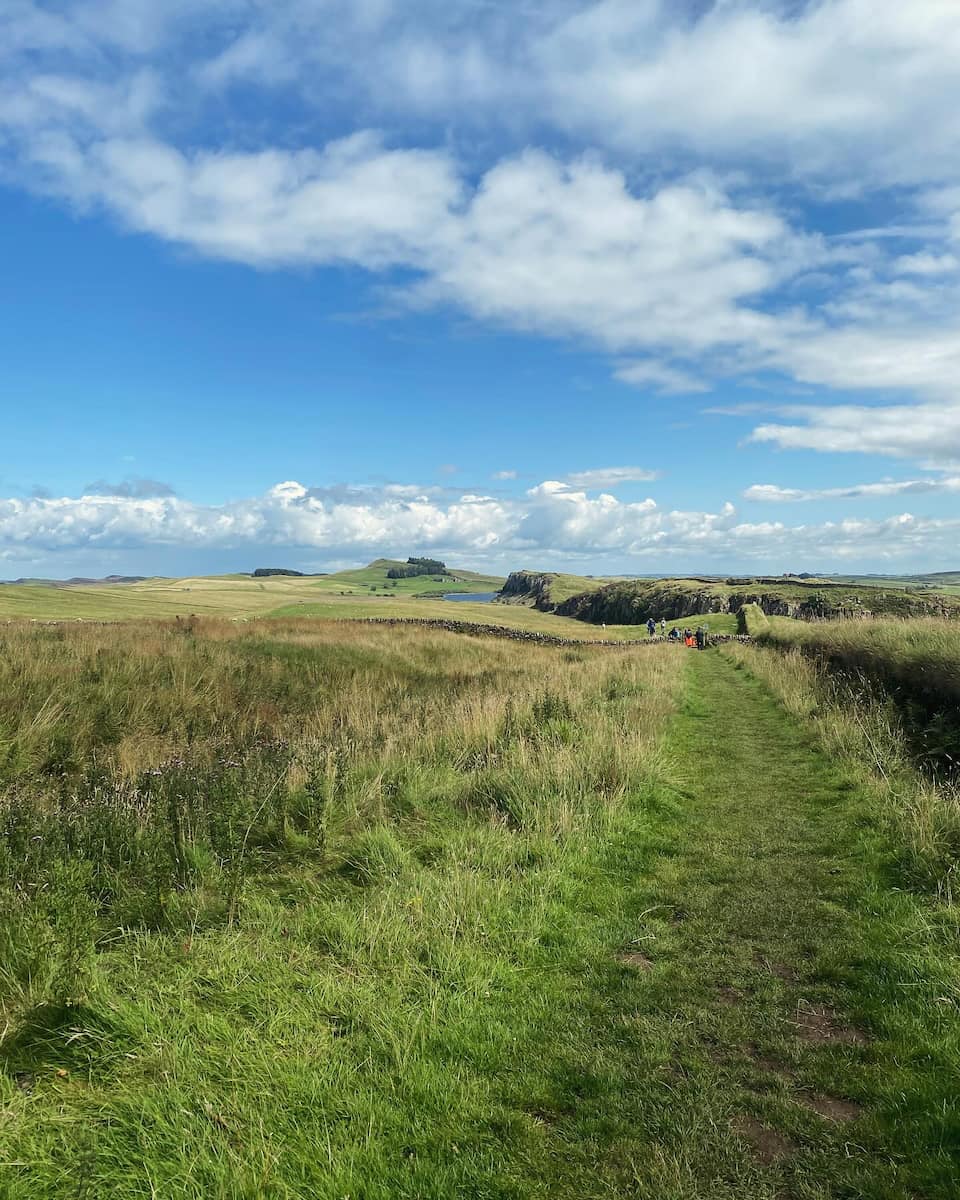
[(151, 772), (920, 654)]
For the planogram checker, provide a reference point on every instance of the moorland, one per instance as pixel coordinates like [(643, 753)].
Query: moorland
[(295, 903)]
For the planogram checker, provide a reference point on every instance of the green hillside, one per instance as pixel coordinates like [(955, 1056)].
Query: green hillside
[(225, 595), (374, 577)]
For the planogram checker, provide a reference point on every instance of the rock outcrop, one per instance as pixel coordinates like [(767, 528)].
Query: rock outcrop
[(632, 602), (528, 587)]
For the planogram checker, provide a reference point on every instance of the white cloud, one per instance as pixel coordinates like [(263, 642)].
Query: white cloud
[(568, 249), (504, 475), (927, 264), (560, 248), (771, 493), (660, 376), (927, 433), (134, 488), (651, 237), (611, 477), (847, 90), (551, 522), (354, 201)]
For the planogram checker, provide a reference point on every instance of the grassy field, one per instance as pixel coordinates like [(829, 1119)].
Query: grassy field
[(373, 578), (349, 595), (280, 902), (226, 596), (223, 595), (508, 616), (941, 581), (301, 909)]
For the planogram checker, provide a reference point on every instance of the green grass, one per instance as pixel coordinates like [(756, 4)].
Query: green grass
[(563, 586), (336, 598), (923, 650), (213, 596), (365, 989), (298, 909), (503, 615), (780, 878), (222, 595), (753, 621), (882, 697), (374, 577)]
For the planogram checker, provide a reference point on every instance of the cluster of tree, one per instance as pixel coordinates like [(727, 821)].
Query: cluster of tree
[(418, 566), (264, 572)]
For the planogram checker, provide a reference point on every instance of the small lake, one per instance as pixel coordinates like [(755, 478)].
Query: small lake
[(476, 597)]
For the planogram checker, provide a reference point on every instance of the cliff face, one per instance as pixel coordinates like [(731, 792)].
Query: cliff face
[(528, 587), (630, 603)]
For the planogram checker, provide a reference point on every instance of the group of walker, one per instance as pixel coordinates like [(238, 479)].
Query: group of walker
[(690, 637)]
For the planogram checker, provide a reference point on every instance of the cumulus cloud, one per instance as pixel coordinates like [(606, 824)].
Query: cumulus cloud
[(564, 249), (795, 84), (746, 80), (353, 201), (661, 233), (551, 522)]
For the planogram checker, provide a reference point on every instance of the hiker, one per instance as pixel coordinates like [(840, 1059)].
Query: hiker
[(700, 638), (663, 627), (688, 638), (651, 626)]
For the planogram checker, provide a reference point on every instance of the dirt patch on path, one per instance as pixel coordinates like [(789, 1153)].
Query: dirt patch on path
[(819, 1024), (635, 959), (832, 1108), (768, 1145)]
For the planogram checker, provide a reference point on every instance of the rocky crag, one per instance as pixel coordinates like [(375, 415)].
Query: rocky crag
[(632, 602)]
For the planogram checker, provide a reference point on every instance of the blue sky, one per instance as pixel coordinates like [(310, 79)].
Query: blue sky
[(620, 285)]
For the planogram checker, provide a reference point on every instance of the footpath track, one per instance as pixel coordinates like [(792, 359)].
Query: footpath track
[(797, 1013), (722, 992)]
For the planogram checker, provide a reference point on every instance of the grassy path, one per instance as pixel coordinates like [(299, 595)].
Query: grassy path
[(715, 994), (805, 1013)]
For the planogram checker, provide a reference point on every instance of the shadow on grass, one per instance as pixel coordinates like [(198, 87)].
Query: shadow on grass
[(57, 1037)]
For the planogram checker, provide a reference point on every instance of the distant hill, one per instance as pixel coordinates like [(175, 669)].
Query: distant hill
[(74, 581), (390, 576)]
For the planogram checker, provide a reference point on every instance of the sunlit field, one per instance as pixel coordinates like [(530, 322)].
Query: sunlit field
[(269, 887)]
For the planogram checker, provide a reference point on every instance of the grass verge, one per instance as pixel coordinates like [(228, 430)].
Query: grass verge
[(893, 747)]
